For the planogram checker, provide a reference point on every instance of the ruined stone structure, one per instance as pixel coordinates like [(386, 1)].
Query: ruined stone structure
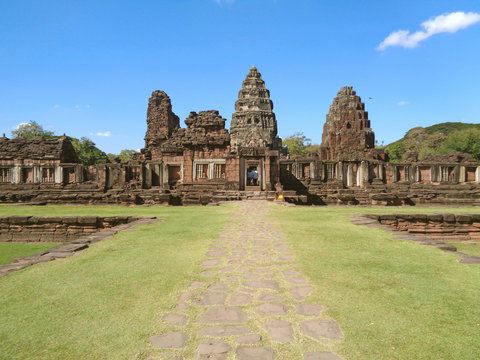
[(347, 134), (205, 163), (253, 122)]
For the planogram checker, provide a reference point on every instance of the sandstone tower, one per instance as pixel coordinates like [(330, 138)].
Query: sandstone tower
[(347, 134), (253, 122), (161, 120)]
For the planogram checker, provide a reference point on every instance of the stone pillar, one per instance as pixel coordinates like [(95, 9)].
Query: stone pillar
[(381, 171), (461, 175), (266, 171), (79, 173), (339, 166), (37, 174), (16, 174), (58, 174), (477, 174), (349, 175)]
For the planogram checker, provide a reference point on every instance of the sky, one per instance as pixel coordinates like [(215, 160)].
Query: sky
[(87, 68)]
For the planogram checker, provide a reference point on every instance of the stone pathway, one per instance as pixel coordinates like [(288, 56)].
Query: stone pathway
[(253, 303)]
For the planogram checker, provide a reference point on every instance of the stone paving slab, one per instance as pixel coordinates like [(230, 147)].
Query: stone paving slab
[(251, 301)]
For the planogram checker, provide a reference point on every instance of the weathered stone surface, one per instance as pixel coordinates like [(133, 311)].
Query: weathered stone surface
[(211, 263), (271, 309), (211, 298), (223, 315), (171, 340), (175, 319), (249, 339), (161, 121), (240, 299), (253, 123), (254, 353), (318, 328), (262, 284), (347, 134), (308, 309), (219, 287), (300, 293), (265, 296), (321, 355), (279, 330), (221, 331), (212, 349), (197, 285)]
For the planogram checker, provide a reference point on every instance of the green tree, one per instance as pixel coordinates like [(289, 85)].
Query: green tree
[(31, 129), (467, 141), (87, 152), (297, 144), (124, 156)]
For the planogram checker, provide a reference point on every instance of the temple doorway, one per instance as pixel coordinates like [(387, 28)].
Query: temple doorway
[(252, 177)]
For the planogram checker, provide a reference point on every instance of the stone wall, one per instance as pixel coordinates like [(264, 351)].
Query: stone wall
[(453, 227), (55, 228)]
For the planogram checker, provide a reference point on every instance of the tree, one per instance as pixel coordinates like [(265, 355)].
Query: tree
[(466, 141), (124, 156), (31, 129), (87, 152), (297, 144)]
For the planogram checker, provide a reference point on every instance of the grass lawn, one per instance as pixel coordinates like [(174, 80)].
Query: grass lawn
[(105, 302), (394, 299), (9, 251), (467, 248)]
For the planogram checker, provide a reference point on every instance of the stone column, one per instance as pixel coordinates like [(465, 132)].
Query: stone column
[(349, 175), (16, 174), (461, 175), (37, 174), (58, 174)]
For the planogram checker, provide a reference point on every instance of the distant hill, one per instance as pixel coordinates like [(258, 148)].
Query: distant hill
[(444, 138)]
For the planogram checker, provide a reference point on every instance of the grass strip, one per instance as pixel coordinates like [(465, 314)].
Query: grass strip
[(105, 302), (394, 299)]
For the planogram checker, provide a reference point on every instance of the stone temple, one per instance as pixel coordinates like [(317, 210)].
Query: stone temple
[(206, 163)]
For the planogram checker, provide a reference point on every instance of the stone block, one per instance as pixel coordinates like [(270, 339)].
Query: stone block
[(18, 220)]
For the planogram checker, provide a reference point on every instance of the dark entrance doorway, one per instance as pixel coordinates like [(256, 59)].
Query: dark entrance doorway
[(252, 176), (174, 174)]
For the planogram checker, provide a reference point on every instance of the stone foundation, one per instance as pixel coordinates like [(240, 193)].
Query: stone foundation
[(447, 227), (55, 228)]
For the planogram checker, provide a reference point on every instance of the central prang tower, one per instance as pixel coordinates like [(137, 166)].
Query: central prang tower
[(253, 122)]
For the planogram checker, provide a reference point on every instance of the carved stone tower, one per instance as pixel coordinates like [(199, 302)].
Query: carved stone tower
[(347, 134), (253, 122), (161, 120)]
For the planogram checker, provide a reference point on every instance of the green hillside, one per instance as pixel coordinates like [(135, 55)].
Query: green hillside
[(444, 138)]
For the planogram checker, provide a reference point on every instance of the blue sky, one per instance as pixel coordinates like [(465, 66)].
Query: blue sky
[(87, 68)]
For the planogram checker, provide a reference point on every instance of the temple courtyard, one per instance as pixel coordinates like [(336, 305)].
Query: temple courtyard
[(243, 280)]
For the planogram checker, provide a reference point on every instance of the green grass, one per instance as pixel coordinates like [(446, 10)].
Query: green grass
[(105, 302), (467, 248), (10, 251), (393, 299)]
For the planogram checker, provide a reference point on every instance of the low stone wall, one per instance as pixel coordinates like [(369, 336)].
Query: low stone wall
[(451, 227), (55, 228)]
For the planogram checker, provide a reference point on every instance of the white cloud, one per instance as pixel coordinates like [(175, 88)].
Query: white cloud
[(224, 1), (402, 103), (16, 127), (449, 23), (105, 134), (77, 107), (56, 106)]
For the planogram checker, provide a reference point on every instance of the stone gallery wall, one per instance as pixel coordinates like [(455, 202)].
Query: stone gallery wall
[(55, 228), (453, 227)]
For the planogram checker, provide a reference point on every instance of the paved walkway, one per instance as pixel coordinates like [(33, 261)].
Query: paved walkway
[(253, 304)]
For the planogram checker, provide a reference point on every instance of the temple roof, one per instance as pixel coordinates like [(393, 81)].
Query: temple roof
[(38, 148)]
